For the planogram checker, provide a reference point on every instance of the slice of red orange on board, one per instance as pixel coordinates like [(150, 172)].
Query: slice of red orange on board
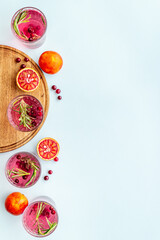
[(48, 148), (28, 79)]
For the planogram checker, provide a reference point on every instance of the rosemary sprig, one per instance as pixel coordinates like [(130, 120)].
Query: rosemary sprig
[(29, 163), (32, 177), (20, 18), (17, 173), (23, 109), (41, 229), (40, 209), (43, 20)]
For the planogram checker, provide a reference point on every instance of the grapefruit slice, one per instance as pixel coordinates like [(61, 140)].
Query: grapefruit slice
[(27, 79), (48, 148)]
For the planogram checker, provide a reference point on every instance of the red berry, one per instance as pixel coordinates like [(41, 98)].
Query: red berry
[(18, 60), (25, 177), (39, 113), (39, 108), (53, 211), (46, 178), (16, 181), (50, 172), (58, 91), (18, 156), (30, 39), (23, 66), (54, 87), (56, 159), (59, 97), (26, 59), (30, 29)]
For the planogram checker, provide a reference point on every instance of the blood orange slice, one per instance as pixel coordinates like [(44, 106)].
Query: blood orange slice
[(48, 148), (27, 79)]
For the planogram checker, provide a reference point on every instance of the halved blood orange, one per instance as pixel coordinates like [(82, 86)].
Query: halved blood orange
[(48, 148), (27, 79)]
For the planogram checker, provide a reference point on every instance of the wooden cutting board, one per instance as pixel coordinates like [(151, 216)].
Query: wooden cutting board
[(11, 138)]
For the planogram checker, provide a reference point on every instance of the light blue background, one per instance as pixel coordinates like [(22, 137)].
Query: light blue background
[(106, 184)]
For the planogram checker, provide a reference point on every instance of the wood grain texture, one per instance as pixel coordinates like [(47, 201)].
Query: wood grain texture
[(10, 138)]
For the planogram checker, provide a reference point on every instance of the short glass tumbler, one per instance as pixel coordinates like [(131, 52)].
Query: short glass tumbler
[(23, 169), (25, 113), (40, 218), (29, 25)]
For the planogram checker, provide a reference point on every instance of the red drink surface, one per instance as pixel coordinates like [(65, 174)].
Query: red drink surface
[(34, 112), (43, 224), (29, 24), (20, 169)]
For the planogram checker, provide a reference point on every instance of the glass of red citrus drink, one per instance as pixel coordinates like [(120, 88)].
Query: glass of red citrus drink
[(23, 169), (40, 218), (29, 25), (25, 113)]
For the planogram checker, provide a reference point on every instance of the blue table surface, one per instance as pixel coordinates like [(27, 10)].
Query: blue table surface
[(106, 183)]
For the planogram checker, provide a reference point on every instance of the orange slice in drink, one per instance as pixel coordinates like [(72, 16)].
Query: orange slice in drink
[(28, 79), (48, 148)]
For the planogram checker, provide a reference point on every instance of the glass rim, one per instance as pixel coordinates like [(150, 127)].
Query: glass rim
[(12, 22), (36, 201), (19, 96), (34, 155)]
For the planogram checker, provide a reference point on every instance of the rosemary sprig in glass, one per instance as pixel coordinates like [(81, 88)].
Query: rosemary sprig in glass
[(29, 163), (20, 18), (41, 229), (23, 109), (16, 173)]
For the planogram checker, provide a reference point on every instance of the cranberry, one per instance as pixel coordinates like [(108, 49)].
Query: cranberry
[(50, 208), (39, 108), (30, 39), (59, 97), (18, 60), (26, 59), (18, 156), (25, 177), (56, 159), (39, 113), (50, 172), (23, 66), (46, 178), (30, 29), (54, 87), (53, 211), (16, 180), (58, 91)]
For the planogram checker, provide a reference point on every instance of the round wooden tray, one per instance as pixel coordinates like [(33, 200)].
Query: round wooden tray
[(10, 138)]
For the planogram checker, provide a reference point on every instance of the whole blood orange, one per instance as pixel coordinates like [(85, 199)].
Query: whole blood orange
[(15, 203), (50, 62), (48, 148), (28, 79)]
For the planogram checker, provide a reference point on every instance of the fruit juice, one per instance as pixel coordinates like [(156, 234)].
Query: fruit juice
[(23, 169), (25, 113), (40, 219), (29, 25)]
